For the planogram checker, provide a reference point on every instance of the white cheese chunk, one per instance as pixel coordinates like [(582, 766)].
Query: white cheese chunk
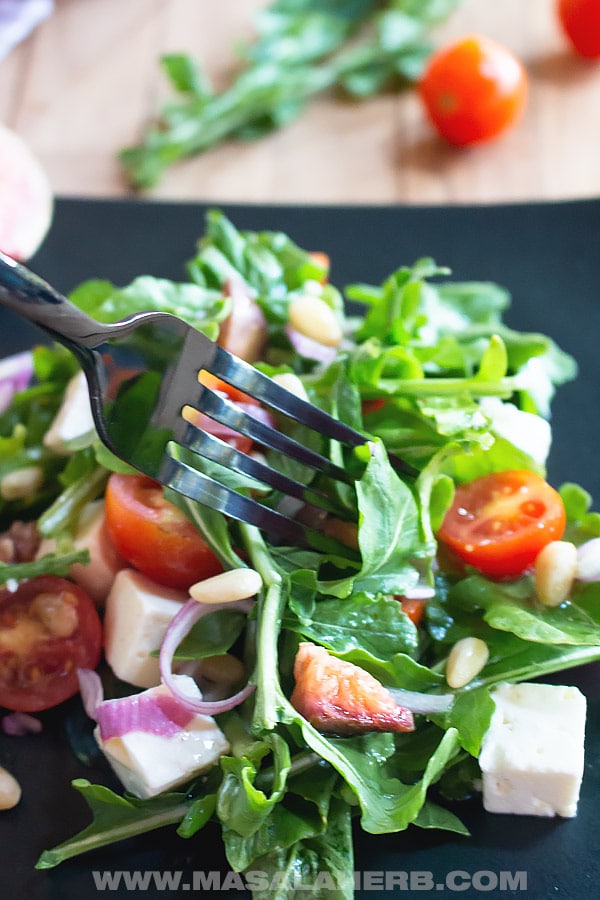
[(138, 612), (73, 426), (97, 576), (527, 431), (532, 755), (148, 764)]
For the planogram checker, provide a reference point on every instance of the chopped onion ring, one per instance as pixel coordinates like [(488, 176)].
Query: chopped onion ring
[(310, 348), (423, 704), (18, 724), (16, 373), (91, 690), (190, 613)]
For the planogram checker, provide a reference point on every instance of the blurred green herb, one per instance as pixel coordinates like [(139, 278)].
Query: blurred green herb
[(302, 48)]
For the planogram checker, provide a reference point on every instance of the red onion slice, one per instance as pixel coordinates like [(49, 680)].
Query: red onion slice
[(309, 348), (91, 690), (16, 373), (18, 724), (588, 561), (190, 613), (155, 711), (424, 704)]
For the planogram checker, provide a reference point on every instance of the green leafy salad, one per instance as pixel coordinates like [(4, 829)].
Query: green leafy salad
[(425, 367)]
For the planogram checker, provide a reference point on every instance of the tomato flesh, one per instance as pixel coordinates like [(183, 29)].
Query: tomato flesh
[(155, 536), (49, 628), (500, 522), (580, 20), (473, 90)]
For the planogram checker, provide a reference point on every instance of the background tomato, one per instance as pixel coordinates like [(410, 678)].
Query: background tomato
[(155, 536), (500, 522), (580, 20), (49, 628), (473, 90)]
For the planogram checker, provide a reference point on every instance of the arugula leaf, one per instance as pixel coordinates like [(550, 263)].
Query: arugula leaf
[(49, 564), (213, 636), (376, 626), (323, 862), (199, 307), (115, 818), (388, 532), (300, 50)]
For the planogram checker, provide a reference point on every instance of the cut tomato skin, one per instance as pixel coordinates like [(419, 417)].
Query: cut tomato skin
[(473, 90), (155, 536), (49, 628), (580, 21), (499, 523)]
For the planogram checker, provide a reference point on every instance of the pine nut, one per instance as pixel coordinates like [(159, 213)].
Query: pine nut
[(312, 317), (466, 660), (10, 790), (235, 584), (21, 483), (291, 383), (554, 572)]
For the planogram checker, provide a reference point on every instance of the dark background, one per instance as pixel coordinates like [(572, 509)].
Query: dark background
[(548, 256)]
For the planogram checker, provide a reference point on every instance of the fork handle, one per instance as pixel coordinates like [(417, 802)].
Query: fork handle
[(34, 299)]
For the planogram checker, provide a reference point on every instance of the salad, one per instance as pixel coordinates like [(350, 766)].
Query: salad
[(427, 369)]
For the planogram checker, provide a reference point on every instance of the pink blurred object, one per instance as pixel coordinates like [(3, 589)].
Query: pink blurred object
[(18, 724), (18, 18)]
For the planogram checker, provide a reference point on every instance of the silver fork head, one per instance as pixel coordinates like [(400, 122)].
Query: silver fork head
[(142, 382)]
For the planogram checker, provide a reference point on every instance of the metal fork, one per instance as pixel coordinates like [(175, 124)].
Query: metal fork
[(142, 373)]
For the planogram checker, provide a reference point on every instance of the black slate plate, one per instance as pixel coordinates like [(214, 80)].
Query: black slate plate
[(547, 255)]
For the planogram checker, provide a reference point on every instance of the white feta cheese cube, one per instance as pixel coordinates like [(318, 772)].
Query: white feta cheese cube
[(527, 431), (138, 613), (96, 577), (167, 754), (532, 755), (73, 426)]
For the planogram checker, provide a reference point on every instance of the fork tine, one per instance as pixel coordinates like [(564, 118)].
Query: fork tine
[(251, 381), (218, 451), (221, 410), (258, 385), (187, 480)]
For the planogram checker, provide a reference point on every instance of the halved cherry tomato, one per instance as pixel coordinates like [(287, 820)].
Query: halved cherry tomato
[(413, 608), (369, 407), (49, 628), (500, 522), (580, 20), (473, 90), (155, 536)]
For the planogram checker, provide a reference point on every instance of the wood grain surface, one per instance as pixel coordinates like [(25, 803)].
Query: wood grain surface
[(84, 84)]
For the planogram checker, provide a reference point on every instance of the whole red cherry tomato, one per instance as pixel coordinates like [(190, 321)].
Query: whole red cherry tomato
[(580, 20), (473, 90)]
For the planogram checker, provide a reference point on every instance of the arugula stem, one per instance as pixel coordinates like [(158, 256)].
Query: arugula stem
[(301, 763), (270, 698), (92, 840), (447, 387)]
